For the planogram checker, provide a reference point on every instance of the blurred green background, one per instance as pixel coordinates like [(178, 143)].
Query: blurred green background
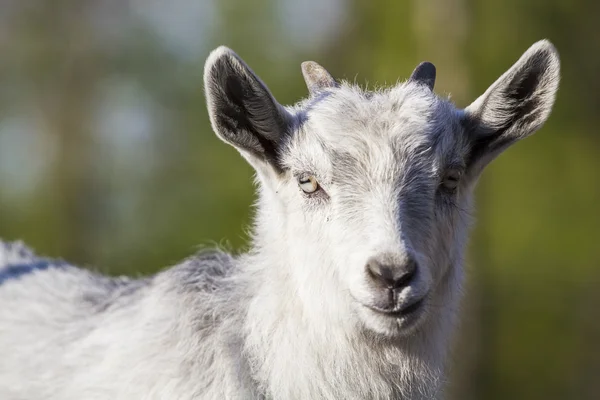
[(107, 158)]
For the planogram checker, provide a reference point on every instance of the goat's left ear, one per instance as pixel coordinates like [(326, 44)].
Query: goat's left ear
[(515, 106), (242, 111)]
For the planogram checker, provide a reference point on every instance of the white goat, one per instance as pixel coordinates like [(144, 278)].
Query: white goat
[(352, 285)]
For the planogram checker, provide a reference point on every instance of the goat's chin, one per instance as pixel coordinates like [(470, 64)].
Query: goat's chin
[(392, 326)]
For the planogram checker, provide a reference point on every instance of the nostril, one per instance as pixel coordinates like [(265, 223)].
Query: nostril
[(377, 271), (405, 274), (392, 276)]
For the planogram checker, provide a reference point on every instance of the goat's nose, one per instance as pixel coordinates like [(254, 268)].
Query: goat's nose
[(392, 276)]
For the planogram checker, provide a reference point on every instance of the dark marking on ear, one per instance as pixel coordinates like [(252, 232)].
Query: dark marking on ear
[(484, 144), (424, 74), (479, 144), (239, 117)]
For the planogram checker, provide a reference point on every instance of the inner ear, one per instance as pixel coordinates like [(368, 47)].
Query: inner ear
[(234, 90), (522, 92), (523, 86), (242, 118)]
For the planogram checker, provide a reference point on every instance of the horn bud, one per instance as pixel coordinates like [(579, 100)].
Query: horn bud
[(424, 74), (316, 77)]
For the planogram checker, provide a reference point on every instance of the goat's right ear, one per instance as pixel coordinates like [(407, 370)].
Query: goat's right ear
[(242, 111)]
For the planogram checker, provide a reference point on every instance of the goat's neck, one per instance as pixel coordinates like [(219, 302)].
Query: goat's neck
[(303, 346)]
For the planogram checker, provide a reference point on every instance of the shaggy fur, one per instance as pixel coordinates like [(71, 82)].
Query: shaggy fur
[(390, 176)]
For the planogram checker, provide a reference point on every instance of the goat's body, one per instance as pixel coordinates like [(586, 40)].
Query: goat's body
[(181, 334), (68, 333)]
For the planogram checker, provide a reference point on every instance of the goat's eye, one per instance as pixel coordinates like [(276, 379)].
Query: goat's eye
[(308, 184), (451, 180)]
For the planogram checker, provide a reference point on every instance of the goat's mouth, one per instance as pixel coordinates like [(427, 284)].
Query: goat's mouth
[(397, 320), (408, 311)]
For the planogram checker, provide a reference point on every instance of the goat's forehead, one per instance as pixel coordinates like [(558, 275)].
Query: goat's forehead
[(404, 119)]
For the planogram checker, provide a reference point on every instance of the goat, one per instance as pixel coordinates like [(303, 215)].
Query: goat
[(352, 285)]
